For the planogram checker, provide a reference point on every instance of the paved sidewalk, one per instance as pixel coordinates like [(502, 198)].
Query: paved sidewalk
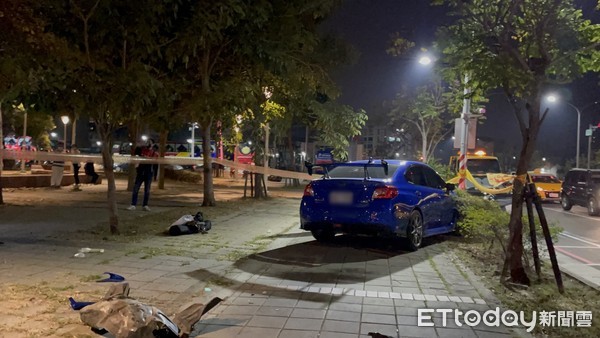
[(276, 280)]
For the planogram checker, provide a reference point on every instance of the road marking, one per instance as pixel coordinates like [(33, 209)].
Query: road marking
[(581, 259), (566, 234), (576, 247), (594, 264), (570, 213)]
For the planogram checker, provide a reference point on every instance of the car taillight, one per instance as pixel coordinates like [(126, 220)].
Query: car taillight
[(386, 192), (308, 190)]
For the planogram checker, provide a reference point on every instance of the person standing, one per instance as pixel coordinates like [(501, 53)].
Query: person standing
[(143, 175), (90, 171), (58, 168), (76, 167)]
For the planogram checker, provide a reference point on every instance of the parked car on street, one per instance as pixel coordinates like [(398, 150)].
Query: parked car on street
[(406, 199), (581, 187)]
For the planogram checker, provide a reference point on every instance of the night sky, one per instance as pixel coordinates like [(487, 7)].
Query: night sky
[(377, 76)]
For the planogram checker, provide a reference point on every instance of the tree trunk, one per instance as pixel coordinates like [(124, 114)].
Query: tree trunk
[(162, 150), (209, 194), (74, 130), (259, 188), (1, 154), (292, 163), (424, 153), (107, 160), (514, 258)]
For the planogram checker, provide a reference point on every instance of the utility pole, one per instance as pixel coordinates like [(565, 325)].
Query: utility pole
[(464, 137)]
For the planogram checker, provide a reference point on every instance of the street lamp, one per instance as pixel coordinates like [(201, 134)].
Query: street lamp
[(425, 60), (552, 99), (65, 121)]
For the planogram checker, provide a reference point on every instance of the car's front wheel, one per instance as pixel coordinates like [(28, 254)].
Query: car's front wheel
[(593, 207), (323, 235), (414, 233), (565, 203)]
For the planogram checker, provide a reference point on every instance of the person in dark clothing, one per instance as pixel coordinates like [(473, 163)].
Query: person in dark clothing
[(76, 167), (143, 175), (155, 166), (90, 171)]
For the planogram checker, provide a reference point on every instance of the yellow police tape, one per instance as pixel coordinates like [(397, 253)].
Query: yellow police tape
[(479, 186)]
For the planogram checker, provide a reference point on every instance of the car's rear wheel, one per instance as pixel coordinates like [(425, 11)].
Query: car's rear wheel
[(414, 231), (565, 203), (323, 235), (593, 207)]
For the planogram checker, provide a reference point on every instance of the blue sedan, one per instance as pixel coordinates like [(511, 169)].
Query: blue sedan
[(387, 198)]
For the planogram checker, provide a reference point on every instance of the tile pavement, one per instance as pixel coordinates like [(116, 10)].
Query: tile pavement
[(295, 287)]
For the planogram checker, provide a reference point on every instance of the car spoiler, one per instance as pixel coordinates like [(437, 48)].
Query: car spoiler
[(309, 167)]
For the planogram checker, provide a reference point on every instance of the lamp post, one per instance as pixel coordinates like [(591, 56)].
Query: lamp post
[(464, 130), (268, 93), (65, 121), (22, 108), (192, 150)]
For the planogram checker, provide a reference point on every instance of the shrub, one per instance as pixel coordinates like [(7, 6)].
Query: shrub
[(483, 222)]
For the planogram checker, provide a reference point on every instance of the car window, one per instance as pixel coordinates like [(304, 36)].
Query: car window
[(415, 175), (358, 171), (433, 179), (545, 179)]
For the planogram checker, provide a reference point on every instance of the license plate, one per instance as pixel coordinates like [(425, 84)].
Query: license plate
[(553, 194), (340, 197)]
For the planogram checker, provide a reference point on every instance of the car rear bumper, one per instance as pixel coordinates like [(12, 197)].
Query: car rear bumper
[(549, 196), (389, 221)]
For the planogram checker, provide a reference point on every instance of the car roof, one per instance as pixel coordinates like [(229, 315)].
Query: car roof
[(400, 163)]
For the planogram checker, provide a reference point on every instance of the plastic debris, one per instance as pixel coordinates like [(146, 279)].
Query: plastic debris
[(207, 289), (121, 316), (86, 250), (75, 305), (188, 224), (79, 255), (112, 277)]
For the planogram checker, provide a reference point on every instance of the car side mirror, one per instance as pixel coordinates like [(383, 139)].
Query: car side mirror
[(450, 186), (309, 167)]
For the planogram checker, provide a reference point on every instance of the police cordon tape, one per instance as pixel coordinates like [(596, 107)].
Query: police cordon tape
[(480, 187), (49, 156)]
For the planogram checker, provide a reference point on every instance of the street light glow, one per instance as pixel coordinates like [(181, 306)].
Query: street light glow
[(551, 98), (53, 134), (425, 60), (64, 119), (144, 138)]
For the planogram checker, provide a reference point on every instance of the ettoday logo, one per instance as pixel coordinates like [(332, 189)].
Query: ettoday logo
[(509, 318)]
